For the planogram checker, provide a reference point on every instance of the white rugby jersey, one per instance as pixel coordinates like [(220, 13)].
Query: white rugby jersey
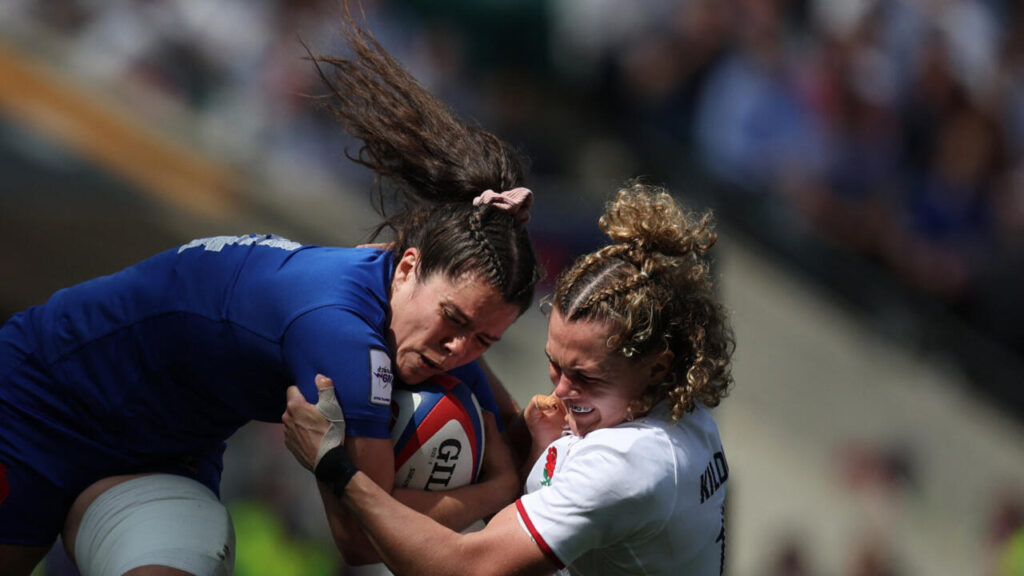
[(643, 497)]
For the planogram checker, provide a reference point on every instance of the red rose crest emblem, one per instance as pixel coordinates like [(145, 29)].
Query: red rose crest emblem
[(549, 466)]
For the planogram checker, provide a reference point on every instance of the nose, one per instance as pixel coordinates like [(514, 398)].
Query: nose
[(455, 346), (563, 386)]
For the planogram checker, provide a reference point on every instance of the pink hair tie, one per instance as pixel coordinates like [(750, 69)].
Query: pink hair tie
[(516, 202)]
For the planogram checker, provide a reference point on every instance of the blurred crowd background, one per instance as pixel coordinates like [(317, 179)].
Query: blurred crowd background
[(868, 152)]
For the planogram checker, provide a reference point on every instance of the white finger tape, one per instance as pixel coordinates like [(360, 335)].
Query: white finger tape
[(331, 410)]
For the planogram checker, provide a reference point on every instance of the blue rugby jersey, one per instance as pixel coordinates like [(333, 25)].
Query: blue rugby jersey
[(167, 358)]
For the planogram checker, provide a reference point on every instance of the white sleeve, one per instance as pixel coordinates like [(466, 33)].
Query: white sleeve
[(602, 493)]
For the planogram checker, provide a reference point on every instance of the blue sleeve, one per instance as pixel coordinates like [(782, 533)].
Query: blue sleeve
[(341, 345), (473, 376)]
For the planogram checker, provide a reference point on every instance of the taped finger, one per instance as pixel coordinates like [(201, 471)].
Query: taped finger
[(329, 408)]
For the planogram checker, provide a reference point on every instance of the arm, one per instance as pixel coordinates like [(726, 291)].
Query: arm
[(408, 541), (345, 529), (335, 341), (541, 423), (456, 508), (411, 543)]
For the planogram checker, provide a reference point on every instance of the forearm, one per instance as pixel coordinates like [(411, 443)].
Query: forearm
[(348, 535), (411, 543), (305, 430), (456, 509), (354, 498), (452, 511), (459, 508), (407, 541)]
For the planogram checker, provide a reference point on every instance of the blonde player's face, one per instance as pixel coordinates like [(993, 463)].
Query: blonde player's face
[(596, 385), (437, 324)]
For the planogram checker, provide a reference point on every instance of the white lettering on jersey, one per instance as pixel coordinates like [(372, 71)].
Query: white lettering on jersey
[(217, 243), (381, 377)]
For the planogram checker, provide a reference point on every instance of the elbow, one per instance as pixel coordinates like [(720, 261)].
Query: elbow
[(508, 486), (512, 492), (354, 551), (356, 555)]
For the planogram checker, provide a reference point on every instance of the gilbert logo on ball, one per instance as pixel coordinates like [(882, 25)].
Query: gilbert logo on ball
[(438, 434)]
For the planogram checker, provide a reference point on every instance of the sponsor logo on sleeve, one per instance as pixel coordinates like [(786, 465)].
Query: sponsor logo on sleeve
[(381, 377)]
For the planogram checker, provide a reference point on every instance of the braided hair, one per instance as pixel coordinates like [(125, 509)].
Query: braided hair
[(432, 164), (652, 286)]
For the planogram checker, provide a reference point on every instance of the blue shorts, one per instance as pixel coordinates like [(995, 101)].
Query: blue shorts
[(45, 464)]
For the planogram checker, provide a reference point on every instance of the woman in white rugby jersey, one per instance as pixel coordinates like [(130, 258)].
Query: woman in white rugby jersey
[(639, 349)]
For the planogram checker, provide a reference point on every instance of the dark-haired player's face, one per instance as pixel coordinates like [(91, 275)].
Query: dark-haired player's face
[(438, 324)]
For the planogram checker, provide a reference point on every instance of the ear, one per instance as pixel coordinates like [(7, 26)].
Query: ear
[(660, 366), (408, 266)]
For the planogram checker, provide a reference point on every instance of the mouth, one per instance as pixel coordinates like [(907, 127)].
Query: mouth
[(430, 363), (578, 409)]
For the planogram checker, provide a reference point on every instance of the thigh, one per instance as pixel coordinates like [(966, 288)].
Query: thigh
[(150, 524)]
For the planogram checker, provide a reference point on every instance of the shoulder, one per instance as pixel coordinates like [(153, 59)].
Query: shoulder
[(317, 278), (635, 461), (634, 444)]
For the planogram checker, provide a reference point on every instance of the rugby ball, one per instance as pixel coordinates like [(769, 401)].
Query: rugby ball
[(438, 434)]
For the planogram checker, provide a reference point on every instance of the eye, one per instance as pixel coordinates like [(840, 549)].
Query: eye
[(451, 317), (583, 378), (591, 380), (553, 367)]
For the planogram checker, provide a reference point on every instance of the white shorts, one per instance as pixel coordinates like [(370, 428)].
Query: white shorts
[(159, 519)]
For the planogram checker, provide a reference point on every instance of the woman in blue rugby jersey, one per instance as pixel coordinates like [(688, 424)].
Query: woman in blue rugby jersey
[(151, 369)]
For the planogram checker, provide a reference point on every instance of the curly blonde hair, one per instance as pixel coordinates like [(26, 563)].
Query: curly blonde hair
[(652, 284)]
